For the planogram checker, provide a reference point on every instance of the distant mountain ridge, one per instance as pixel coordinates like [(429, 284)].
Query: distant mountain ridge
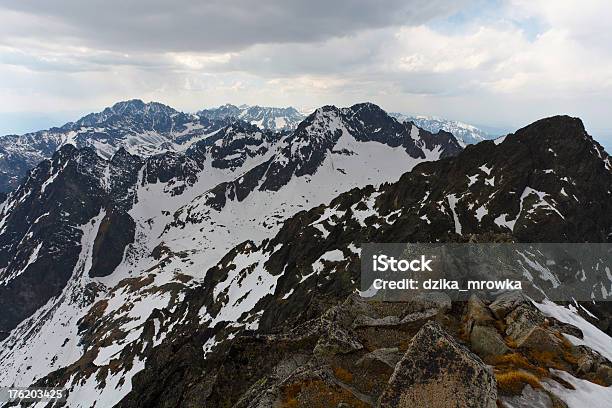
[(466, 133), (143, 129), (263, 116)]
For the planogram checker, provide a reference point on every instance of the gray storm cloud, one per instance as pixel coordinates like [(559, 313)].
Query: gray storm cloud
[(213, 25)]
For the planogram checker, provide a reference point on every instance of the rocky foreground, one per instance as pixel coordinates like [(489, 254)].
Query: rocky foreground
[(429, 352)]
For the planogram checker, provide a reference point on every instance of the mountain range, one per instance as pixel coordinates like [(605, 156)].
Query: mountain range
[(146, 129), (215, 262)]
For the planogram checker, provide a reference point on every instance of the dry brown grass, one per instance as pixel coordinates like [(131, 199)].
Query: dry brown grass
[(500, 326), (404, 344), (514, 361), (564, 341), (598, 381), (549, 359), (513, 382), (462, 333), (570, 358)]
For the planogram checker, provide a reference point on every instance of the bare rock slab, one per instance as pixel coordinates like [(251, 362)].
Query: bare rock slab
[(438, 372)]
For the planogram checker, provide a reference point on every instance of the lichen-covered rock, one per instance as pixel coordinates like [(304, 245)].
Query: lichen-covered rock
[(507, 302), (437, 371), (586, 360), (486, 342), (367, 321), (592, 365), (604, 372), (540, 339), (522, 320), (416, 318), (529, 398), (429, 300)]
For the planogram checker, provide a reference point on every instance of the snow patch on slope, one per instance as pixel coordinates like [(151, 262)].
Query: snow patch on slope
[(593, 337)]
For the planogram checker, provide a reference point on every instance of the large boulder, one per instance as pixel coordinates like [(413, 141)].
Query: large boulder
[(337, 340), (604, 372), (336, 337), (540, 339), (530, 329), (437, 372), (412, 319), (428, 300)]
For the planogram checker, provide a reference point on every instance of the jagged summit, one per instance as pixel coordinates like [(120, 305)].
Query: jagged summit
[(141, 128), (154, 113), (553, 128)]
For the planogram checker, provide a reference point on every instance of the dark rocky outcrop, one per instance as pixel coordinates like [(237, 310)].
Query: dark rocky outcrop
[(37, 268), (116, 231)]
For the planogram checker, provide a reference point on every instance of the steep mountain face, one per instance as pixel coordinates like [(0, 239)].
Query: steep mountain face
[(330, 130), (147, 229), (143, 129), (63, 193), (40, 224), (467, 134), (264, 117), (268, 324)]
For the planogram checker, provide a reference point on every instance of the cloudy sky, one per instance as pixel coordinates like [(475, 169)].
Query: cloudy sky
[(494, 63)]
